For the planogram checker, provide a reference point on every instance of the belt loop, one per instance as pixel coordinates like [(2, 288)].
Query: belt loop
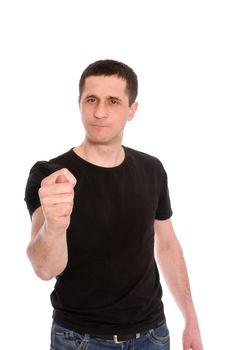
[(116, 339)]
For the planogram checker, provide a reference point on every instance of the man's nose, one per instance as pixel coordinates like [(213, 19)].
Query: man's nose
[(100, 111)]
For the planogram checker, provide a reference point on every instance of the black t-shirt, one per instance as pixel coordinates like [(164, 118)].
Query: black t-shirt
[(111, 283)]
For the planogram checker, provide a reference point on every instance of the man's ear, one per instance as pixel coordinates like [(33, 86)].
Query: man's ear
[(133, 109)]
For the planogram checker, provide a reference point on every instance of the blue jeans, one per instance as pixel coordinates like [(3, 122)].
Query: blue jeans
[(64, 339)]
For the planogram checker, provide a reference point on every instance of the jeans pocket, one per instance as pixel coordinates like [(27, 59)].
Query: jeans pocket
[(160, 335), (62, 338)]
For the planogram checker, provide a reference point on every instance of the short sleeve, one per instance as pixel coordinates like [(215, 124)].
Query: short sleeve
[(164, 210), (38, 172)]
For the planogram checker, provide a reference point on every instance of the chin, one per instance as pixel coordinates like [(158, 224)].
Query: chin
[(103, 139), (98, 141)]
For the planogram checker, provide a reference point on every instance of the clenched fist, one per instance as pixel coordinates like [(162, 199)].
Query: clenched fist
[(56, 196)]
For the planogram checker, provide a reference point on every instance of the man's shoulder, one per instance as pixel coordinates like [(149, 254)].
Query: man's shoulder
[(62, 158), (143, 157), (46, 167)]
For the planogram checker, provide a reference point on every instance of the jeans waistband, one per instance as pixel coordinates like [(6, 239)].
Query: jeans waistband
[(120, 338)]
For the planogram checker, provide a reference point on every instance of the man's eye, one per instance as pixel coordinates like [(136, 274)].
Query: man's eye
[(91, 99), (113, 102)]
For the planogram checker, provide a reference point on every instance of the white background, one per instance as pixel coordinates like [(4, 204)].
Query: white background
[(181, 51)]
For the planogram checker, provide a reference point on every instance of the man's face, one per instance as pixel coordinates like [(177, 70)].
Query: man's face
[(104, 107)]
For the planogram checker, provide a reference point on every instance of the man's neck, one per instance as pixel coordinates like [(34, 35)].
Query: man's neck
[(107, 156)]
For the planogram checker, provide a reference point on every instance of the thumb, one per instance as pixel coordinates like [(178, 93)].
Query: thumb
[(61, 179)]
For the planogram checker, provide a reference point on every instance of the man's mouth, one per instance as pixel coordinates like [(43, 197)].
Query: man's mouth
[(99, 125)]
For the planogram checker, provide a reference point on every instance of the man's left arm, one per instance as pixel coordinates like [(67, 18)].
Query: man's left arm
[(170, 258)]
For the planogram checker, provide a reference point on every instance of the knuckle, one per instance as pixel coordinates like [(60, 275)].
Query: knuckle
[(65, 171), (70, 186), (41, 192), (65, 223), (43, 181), (67, 209)]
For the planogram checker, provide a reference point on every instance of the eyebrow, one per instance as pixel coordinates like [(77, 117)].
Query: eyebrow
[(108, 97), (90, 96), (114, 98)]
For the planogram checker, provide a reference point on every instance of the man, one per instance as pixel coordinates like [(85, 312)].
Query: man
[(95, 212)]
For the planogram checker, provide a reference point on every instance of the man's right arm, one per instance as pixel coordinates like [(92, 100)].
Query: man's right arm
[(47, 249)]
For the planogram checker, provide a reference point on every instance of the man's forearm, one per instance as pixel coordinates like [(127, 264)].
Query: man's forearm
[(171, 261), (48, 253), (173, 267)]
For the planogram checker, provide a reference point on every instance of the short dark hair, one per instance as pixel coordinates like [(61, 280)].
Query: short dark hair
[(112, 67)]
